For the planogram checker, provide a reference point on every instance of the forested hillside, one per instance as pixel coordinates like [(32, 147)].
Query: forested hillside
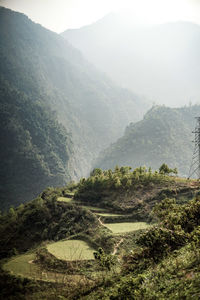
[(164, 135), (159, 61), (44, 80), (34, 148)]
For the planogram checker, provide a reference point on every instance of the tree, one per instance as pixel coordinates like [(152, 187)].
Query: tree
[(106, 261), (164, 169), (96, 172)]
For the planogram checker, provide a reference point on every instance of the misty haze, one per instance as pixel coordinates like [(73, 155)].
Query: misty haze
[(100, 149)]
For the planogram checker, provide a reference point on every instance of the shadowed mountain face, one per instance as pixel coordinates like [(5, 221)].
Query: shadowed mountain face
[(40, 68), (164, 135), (160, 61)]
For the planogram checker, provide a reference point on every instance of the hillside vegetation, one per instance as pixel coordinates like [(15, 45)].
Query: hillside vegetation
[(133, 192), (164, 134), (166, 262), (35, 149), (73, 250), (42, 219), (43, 68)]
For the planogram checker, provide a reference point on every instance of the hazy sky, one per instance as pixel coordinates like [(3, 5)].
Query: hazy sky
[(59, 15)]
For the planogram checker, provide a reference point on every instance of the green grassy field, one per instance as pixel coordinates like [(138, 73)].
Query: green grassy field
[(109, 215), (23, 266), (92, 208), (126, 227), (64, 199), (71, 250)]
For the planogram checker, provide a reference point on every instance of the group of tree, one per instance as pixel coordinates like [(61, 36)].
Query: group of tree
[(121, 178)]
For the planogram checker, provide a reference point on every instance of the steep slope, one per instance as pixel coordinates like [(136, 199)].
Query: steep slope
[(41, 67), (34, 147), (164, 135), (40, 220), (159, 262), (159, 61)]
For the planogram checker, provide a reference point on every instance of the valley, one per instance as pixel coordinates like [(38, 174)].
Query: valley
[(96, 197), (57, 110)]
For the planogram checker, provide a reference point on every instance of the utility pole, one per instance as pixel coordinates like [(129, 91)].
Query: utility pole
[(195, 165)]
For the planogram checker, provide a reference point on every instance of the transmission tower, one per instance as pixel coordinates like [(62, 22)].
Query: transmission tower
[(195, 165)]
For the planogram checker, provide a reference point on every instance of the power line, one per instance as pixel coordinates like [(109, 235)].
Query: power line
[(195, 165)]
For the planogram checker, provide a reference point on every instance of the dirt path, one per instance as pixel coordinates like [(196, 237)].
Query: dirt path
[(117, 246), (101, 223)]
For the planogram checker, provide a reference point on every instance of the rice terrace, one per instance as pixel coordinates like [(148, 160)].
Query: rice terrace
[(83, 241), (71, 250), (68, 250)]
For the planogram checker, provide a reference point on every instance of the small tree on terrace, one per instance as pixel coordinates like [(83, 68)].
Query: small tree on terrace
[(96, 172), (165, 170)]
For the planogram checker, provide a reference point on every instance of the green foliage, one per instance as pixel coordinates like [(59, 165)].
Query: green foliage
[(166, 266), (186, 217), (42, 219), (164, 135), (101, 182), (164, 169), (44, 80), (159, 241), (132, 192), (34, 148), (164, 261), (106, 261)]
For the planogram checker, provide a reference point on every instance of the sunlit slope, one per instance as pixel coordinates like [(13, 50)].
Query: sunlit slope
[(46, 67), (164, 135)]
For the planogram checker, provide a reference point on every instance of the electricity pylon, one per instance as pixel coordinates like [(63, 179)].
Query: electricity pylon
[(195, 165)]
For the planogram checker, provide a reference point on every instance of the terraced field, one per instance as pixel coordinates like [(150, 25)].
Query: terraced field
[(71, 199), (23, 266), (71, 250), (109, 215), (64, 199), (93, 208), (126, 227)]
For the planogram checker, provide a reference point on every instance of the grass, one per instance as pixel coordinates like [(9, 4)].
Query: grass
[(23, 266), (126, 227), (109, 215), (70, 193), (64, 199), (92, 208), (71, 250)]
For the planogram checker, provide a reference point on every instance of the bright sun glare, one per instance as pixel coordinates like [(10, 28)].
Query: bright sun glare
[(62, 14)]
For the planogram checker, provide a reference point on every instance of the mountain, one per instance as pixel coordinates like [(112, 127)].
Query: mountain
[(158, 61), (163, 136), (46, 83), (34, 149)]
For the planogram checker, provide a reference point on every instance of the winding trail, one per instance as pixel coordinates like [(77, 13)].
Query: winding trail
[(101, 223), (118, 244)]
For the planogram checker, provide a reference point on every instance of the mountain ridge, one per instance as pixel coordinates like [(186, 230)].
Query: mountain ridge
[(45, 68), (153, 61), (159, 137)]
